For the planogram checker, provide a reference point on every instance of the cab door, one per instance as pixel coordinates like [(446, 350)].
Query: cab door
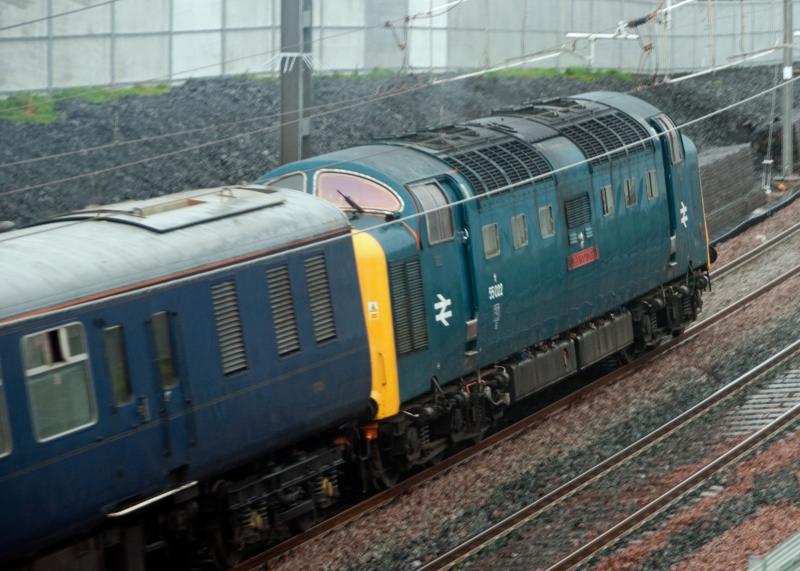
[(450, 298), (672, 155)]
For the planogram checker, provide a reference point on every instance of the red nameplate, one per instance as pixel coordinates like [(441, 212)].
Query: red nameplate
[(583, 257)]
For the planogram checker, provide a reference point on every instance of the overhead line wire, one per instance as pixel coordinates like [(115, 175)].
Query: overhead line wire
[(273, 53), (532, 179), (53, 16), (446, 7)]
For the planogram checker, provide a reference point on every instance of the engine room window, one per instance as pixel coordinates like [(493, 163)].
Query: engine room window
[(162, 343), (491, 241), (652, 185), (295, 181), (5, 429), (519, 230), (547, 227), (351, 192), (630, 192), (431, 199), (607, 194), (58, 381), (117, 364)]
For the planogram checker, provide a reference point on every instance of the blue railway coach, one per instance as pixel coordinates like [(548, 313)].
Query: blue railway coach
[(149, 346)]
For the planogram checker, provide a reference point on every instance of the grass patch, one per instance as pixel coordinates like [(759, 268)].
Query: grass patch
[(577, 73), (32, 108), (40, 109), (376, 73)]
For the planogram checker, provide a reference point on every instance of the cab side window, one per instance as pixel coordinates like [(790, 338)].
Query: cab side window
[(58, 381), (294, 181), (439, 219), (672, 136), (5, 429)]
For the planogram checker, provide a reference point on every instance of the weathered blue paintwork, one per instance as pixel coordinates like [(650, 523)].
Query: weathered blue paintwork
[(540, 297), (209, 422)]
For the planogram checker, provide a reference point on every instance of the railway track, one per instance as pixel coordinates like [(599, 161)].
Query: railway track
[(272, 556), (579, 490)]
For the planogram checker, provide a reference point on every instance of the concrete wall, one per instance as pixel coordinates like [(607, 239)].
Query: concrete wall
[(150, 40), (729, 194)]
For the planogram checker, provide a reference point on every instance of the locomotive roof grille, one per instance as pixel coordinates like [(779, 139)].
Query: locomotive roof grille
[(468, 173), (490, 174), (531, 158), (627, 130), (603, 138), (586, 141), (497, 166)]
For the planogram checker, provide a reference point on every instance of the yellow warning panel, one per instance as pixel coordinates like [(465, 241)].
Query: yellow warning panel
[(373, 279)]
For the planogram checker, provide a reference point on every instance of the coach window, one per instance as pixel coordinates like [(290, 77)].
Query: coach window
[(117, 364), (5, 430), (491, 241), (607, 194), (630, 192), (294, 181), (438, 217), (352, 192), (519, 231), (547, 227), (165, 356), (58, 381), (652, 185)]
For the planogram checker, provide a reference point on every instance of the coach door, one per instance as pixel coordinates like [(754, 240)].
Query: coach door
[(173, 402), (672, 153), (444, 243)]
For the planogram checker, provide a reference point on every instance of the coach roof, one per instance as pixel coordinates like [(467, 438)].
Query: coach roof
[(89, 252)]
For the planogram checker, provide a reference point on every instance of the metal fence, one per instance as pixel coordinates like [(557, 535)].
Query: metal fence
[(133, 41)]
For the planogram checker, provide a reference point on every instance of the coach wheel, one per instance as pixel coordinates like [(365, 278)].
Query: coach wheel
[(384, 475), (225, 549)]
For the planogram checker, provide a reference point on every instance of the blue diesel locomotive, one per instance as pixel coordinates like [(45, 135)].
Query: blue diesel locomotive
[(199, 371), (534, 243)]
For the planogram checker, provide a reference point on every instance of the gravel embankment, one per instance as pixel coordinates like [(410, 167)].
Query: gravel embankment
[(749, 508), (619, 493), (439, 514), (254, 149)]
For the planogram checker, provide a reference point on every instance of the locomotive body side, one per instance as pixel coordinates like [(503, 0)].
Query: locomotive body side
[(555, 235)]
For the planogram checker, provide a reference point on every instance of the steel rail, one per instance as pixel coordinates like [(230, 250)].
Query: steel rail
[(353, 513), (552, 498), (678, 491), (755, 252)]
